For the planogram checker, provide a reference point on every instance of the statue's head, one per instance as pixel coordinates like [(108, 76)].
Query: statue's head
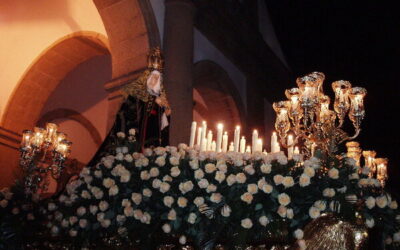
[(155, 59)]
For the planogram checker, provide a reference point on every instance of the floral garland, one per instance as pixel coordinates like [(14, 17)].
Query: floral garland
[(200, 196)]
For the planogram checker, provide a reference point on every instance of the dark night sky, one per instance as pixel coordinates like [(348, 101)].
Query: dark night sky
[(355, 41)]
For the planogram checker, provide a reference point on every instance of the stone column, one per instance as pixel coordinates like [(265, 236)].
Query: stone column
[(178, 74)]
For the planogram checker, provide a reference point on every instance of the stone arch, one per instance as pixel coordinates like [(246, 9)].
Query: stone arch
[(73, 115), (216, 98), (45, 73)]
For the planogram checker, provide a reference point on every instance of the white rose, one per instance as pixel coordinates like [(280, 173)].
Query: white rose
[(298, 234), (15, 210), (198, 201), (263, 220), (314, 212), (93, 209), (156, 183), (30, 216), (175, 171), (128, 211), (226, 211), (154, 172), (182, 240), (73, 220), (138, 214), (166, 228), (238, 162), (247, 223), (146, 218), (192, 218), (83, 223), (172, 214), (393, 205), (194, 164), (121, 135), (114, 190), (73, 233), (252, 188), (370, 223), (333, 173), (328, 192), (51, 206), (222, 166), (304, 180), (81, 211), (370, 202), (126, 203), (85, 194), (283, 199), (136, 198), (321, 205), (198, 174), (203, 183), (88, 179), (128, 158), (219, 176), (174, 161), (164, 187), (354, 176), (210, 168), (168, 201), (144, 175), (265, 168), (282, 159), (247, 197), (211, 188), (241, 178), (119, 157), (147, 192), (182, 202), (381, 201), (160, 161), (103, 205), (132, 131), (121, 219), (105, 223), (216, 197), (249, 169), (148, 152), (261, 182), (278, 179), (267, 188), (282, 210), (64, 223), (231, 179), (4, 203), (289, 213), (288, 181), (309, 171)]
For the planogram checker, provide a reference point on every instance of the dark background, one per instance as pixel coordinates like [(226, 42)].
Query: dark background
[(355, 41)]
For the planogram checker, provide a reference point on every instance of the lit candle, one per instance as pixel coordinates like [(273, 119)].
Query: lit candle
[(248, 149), (209, 140), (203, 140), (213, 146), (225, 142), (192, 134), (313, 147), (296, 150), (231, 147), (242, 145), (199, 134), (236, 139), (220, 128), (290, 147), (274, 143), (51, 130), (26, 138), (254, 141), (38, 137), (259, 145)]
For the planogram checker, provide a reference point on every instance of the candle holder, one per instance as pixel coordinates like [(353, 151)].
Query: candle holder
[(43, 152), (307, 116)]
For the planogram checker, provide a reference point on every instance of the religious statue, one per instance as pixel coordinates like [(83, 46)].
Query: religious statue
[(145, 110)]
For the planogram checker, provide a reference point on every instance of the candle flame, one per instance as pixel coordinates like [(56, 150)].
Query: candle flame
[(220, 126)]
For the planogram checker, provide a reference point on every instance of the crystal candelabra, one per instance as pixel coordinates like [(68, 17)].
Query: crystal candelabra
[(307, 116), (43, 152)]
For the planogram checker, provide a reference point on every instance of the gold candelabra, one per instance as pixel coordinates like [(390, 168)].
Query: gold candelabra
[(307, 116), (43, 152)]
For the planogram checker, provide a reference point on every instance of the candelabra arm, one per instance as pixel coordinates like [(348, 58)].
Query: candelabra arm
[(358, 130)]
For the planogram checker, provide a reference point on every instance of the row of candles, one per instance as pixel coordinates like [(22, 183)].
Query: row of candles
[(202, 138)]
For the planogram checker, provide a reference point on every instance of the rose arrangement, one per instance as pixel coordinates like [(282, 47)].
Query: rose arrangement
[(199, 196)]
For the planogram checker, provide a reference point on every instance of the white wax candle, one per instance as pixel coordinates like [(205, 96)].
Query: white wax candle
[(259, 145), (274, 143), (236, 139), (254, 141), (313, 147), (213, 146), (203, 140), (296, 150), (220, 128), (199, 134), (248, 149), (209, 140), (242, 145), (225, 142), (231, 147), (290, 146), (192, 134)]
